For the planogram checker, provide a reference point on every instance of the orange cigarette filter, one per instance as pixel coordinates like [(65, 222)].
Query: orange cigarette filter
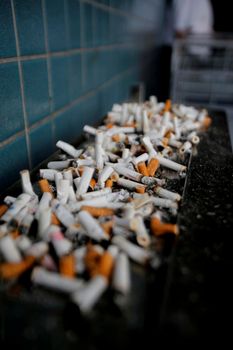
[(109, 183), (105, 267), (3, 209), (132, 125), (140, 189), (92, 184), (143, 169), (54, 220), (44, 185), (158, 228), (67, 265), (13, 270), (15, 234), (168, 134), (96, 212), (152, 166), (92, 260), (165, 142), (168, 105), (206, 123), (110, 125), (116, 138), (107, 227)]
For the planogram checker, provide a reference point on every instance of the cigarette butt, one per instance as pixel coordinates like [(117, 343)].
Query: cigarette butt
[(92, 260), (107, 227), (44, 186), (92, 184), (116, 138), (165, 142), (12, 270), (168, 134), (109, 183), (80, 170), (114, 177), (140, 189), (15, 234), (158, 228), (167, 106), (105, 267), (96, 212), (54, 220), (132, 125), (3, 209), (67, 265), (206, 123), (152, 166), (110, 125), (143, 169)]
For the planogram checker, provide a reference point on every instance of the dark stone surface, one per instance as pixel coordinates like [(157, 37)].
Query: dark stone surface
[(185, 302)]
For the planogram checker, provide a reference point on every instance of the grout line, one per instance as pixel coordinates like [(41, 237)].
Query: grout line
[(115, 10), (21, 85), (12, 138), (65, 108), (69, 52)]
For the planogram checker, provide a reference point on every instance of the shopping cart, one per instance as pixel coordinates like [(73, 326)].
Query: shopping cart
[(202, 71)]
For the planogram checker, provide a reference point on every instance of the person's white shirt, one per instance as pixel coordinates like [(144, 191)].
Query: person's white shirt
[(194, 17)]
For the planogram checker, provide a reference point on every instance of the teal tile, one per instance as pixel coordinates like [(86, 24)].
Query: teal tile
[(101, 27), (57, 30), (91, 109), (69, 124), (7, 37), (88, 24), (13, 159), (41, 142), (30, 27), (35, 77), (73, 9), (75, 79), (60, 81), (11, 114), (91, 73)]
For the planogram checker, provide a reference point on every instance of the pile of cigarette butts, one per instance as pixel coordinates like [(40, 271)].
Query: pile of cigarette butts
[(95, 209)]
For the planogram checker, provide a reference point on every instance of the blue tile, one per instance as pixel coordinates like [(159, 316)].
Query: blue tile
[(91, 109), (57, 30), (11, 115), (36, 89), (60, 81), (13, 159), (88, 25), (41, 142), (69, 124), (101, 27), (73, 9), (91, 70), (30, 27), (7, 37), (75, 79)]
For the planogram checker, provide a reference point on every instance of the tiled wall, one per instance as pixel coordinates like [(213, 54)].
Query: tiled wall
[(63, 63)]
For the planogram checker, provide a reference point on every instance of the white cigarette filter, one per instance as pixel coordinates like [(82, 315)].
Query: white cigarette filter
[(63, 214), (23, 243), (90, 293), (44, 221), (94, 194), (59, 165), (131, 185), (131, 174), (9, 250), (121, 274), (99, 150), (18, 204), (192, 137), (44, 203), (186, 147), (69, 149), (26, 183), (137, 254), (38, 250), (61, 244), (167, 194), (170, 164), (104, 175), (67, 174), (48, 174), (142, 158), (92, 227), (63, 191), (83, 184), (146, 124), (56, 282), (90, 130), (137, 225), (8, 200), (164, 203), (149, 147)]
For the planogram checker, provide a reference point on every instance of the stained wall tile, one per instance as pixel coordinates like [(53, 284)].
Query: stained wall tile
[(7, 37)]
